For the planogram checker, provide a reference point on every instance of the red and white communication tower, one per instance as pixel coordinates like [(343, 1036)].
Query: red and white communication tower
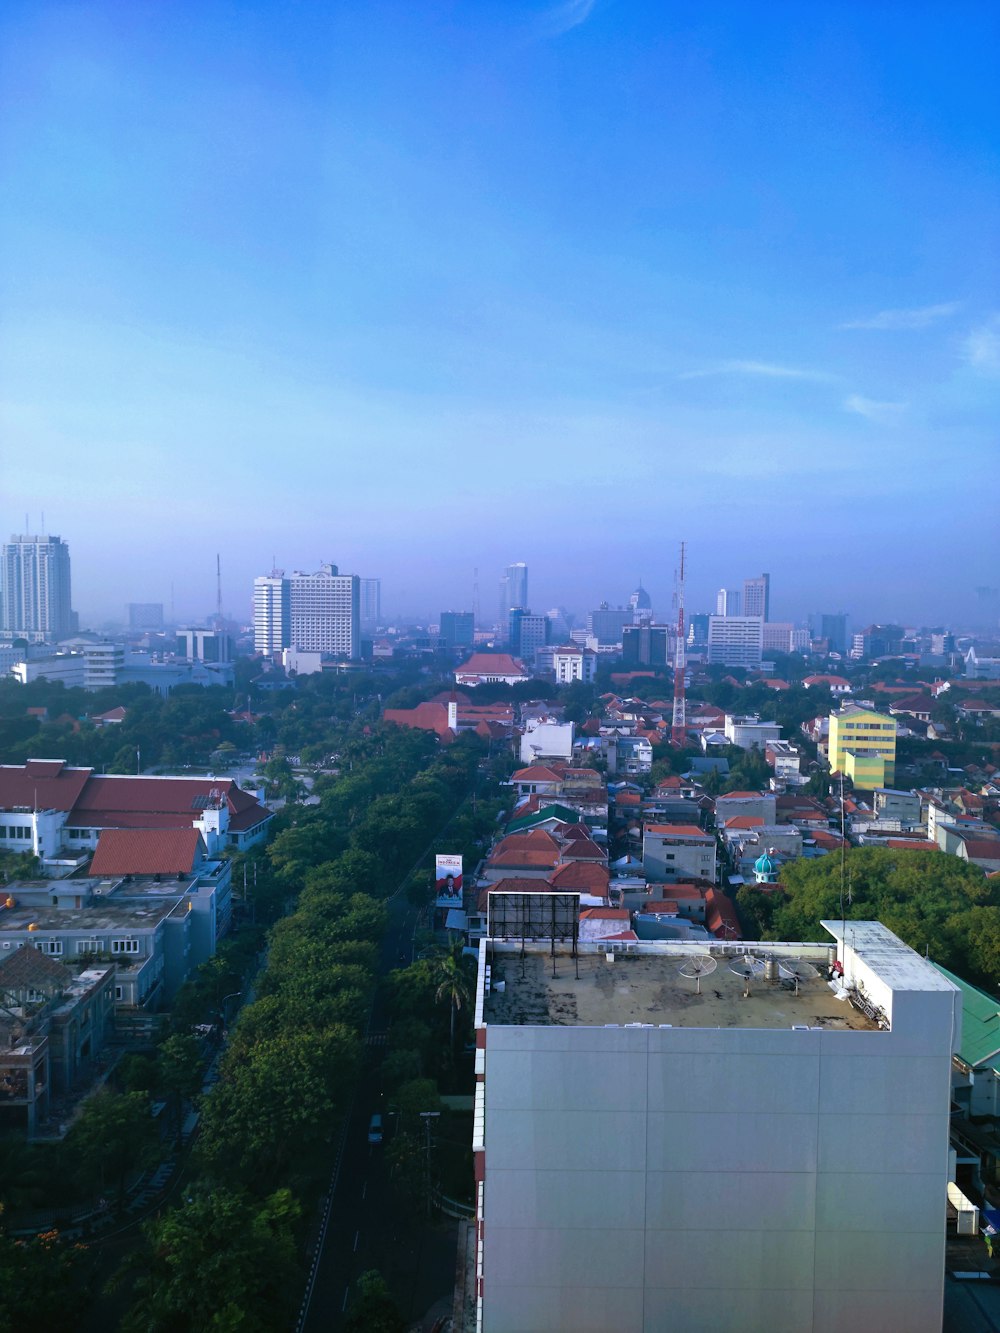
[(678, 730)]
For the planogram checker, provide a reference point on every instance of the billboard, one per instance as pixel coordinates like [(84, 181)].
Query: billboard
[(533, 916), (447, 881)]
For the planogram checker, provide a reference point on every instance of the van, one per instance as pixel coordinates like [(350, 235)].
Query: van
[(375, 1129)]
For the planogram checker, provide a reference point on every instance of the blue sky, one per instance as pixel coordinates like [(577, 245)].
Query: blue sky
[(420, 288)]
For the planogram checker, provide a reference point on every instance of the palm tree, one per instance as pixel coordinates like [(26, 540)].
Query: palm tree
[(453, 987)]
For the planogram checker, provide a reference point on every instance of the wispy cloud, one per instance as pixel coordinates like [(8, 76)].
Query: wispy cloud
[(563, 17), (920, 318), (764, 369), (883, 414), (982, 348)]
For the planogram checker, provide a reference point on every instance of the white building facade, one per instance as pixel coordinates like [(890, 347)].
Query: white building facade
[(773, 1159), (736, 641), (36, 599)]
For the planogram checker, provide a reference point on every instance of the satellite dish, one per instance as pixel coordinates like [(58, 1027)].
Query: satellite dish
[(797, 969), (747, 965), (693, 969)]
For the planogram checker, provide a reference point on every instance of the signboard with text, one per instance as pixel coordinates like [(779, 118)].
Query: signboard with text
[(448, 881)]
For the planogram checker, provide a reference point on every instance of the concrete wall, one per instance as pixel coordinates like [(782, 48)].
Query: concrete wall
[(702, 1179)]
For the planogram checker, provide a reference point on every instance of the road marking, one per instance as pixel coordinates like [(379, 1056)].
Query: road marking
[(343, 1305), (357, 1237)]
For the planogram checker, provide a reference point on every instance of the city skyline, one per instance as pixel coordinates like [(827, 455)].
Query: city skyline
[(423, 291)]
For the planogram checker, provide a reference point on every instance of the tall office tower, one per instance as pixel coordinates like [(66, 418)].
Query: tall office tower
[(36, 600), (641, 606), (145, 615), (370, 593), (526, 634), (736, 641), (458, 629), (272, 622), (833, 628), (757, 597), (645, 645), (325, 611), (697, 632), (517, 585), (728, 602), (649, 1095), (607, 623)]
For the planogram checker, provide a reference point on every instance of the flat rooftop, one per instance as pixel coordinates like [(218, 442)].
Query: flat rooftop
[(643, 988)]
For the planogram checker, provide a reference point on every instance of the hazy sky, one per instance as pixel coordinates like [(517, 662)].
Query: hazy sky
[(422, 286)]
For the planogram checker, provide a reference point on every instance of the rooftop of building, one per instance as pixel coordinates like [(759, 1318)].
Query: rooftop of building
[(648, 988)]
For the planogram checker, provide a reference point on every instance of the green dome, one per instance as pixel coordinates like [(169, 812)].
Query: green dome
[(764, 865)]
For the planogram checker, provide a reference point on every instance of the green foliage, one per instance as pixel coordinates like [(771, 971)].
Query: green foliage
[(373, 1310), (932, 901), (43, 1282), (222, 1262), (113, 1138), (278, 1098)]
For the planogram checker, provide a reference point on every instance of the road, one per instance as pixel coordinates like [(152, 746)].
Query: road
[(365, 1228)]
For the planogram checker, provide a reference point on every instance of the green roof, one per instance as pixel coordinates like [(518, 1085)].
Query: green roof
[(980, 1022), (553, 811)]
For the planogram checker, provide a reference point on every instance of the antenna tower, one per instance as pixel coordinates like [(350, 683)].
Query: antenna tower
[(678, 731)]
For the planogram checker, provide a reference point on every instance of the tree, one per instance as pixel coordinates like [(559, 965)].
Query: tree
[(113, 1137), (452, 989), (220, 1261), (277, 1099), (43, 1281), (374, 1310), (179, 1073)]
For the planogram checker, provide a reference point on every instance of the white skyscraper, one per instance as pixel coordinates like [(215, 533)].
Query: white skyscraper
[(271, 613), (36, 588), (728, 602), (325, 611), (757, 597)]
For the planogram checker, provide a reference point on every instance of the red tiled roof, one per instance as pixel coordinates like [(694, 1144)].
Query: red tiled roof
[(536, 773), (585, 876), (145, 851), (583, 850), (740, 796), (628, 798), (604, 914), (720, 915), (424, 717), (744, 821), (913, 844), (982, 849), (42, 784), (493, 664), (139, 802), (528, 857)]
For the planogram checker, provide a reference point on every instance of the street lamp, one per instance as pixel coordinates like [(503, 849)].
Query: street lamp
[(222, 1007)]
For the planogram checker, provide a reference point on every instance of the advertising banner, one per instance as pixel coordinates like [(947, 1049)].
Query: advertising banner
[(448, 881)]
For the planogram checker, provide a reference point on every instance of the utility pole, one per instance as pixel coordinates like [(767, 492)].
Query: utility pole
[(427, 1117)]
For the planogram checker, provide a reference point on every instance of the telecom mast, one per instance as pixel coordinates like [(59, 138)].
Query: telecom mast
[(678, 731)]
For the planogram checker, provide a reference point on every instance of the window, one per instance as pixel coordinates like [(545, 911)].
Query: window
[(50, 946), (124, 946), (119, 992)]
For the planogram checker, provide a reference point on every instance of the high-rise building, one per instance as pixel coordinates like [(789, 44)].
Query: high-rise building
[(728, 602), (607, 623), (800, 1091), (318, 613), (641, 605), (145, 615), (833, 628), (736, 641), (517, 585), (757, 597), (458, 629), (36, 599), (325, 612), (272, 620), (645, 645), (526, 634), (370, 593)]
